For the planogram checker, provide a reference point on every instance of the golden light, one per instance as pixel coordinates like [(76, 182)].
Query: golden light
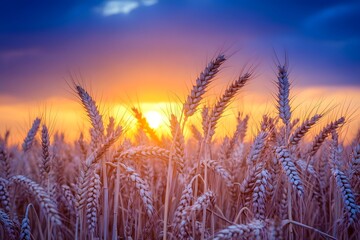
[(153, 118)]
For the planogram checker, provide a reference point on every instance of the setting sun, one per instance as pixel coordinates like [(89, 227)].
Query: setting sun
[(154, 118)]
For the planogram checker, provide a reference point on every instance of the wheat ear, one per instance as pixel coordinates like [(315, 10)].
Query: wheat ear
[(342, 182), (4, 196), (205, 118), (31, 135), (103, 147), (9, 225), (92, 200), (145, 151), (110, 127), (45, 144), (180, 212), (221, 171), (47, 205), (89, 165), (92, 111), (283, 94), (283, 156), (257, 148), (259, 194), (69, 197), (351, 208), (144, 125), (206, 200), (196, 133), (355, 164), (252, 230), (202, 82), (239, 134), (143, 189), (224, 101), (5, 162), (320, 138), (303, 129), (4, 140), (25, 232), (178, 139), (249, 181)]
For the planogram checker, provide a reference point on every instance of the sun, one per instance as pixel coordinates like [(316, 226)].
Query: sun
[(153, 118)]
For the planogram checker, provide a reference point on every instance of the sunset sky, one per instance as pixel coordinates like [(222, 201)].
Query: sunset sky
[(150, 52)]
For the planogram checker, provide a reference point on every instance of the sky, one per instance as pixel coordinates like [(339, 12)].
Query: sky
[(152, 50)]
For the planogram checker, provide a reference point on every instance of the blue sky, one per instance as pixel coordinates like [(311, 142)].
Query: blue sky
[(42, 41)]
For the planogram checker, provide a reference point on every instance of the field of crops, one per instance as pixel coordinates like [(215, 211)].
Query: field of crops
[(278, 185)]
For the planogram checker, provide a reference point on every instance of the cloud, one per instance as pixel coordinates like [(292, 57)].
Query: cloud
[(114, 7), (149, 2)]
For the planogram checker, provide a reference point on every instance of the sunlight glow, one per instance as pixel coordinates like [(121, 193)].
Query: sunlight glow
[(154, 119)]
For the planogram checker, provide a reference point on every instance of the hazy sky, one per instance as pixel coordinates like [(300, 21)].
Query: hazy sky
[(129, 43)]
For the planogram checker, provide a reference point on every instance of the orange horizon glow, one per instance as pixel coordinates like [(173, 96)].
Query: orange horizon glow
[(67, 115)]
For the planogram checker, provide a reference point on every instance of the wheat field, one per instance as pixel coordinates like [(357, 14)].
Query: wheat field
[(278, 185)]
